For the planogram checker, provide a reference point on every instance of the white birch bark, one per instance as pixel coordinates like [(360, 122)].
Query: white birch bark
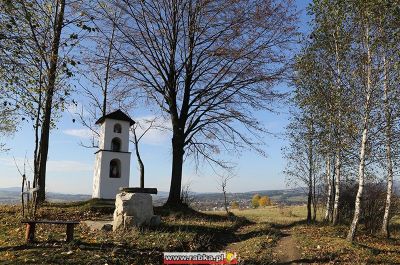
[(388, 140), (335, 217), (366, 118), (329, 193)]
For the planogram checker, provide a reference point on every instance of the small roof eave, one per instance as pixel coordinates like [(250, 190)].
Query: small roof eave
[(116, 115)]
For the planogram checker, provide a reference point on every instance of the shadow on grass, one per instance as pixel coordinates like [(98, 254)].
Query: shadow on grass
[(186, 212), (376, 251), (208, 237), (259, 230), (105, 252), (303, 261), (290, 225)]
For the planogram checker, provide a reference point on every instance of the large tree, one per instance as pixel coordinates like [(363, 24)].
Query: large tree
[(207, 65), (35, 53)]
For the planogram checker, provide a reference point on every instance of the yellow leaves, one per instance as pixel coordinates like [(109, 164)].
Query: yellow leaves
[(8, 255)]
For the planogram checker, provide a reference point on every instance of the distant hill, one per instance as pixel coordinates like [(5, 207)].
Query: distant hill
[(13, 196), (288, 196), (208, 201), (212, 200)]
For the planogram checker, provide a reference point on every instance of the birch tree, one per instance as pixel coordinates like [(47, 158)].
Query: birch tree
[(302, 159), (389, 40), (366, 34), (348, 71)]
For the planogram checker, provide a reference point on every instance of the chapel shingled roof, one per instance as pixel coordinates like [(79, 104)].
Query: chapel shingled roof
[(116, 115)]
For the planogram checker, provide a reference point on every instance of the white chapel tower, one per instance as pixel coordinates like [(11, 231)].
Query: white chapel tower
[(112, 165)]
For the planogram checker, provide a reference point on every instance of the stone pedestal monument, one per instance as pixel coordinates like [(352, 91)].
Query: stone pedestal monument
[(134, 208)]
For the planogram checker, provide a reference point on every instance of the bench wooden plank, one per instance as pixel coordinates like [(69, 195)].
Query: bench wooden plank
[(49, 222), (31, 225), (139, 190)]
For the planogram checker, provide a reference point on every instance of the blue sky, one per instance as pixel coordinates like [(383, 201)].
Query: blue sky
[(70, 166)]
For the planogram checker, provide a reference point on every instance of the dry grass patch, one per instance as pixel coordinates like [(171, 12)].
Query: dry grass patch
[(182, 231), (327, 244)]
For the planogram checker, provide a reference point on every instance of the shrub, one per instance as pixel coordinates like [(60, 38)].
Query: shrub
[(264, 201), (255, 201), (372, 205), (235, 205)]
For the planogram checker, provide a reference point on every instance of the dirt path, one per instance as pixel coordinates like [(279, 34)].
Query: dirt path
[(286, 250)]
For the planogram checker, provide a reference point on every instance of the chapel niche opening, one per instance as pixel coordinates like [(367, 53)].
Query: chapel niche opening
[(115, 168), (117, 128), (116, 144)]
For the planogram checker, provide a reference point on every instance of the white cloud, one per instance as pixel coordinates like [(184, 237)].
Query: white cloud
[(80, 133)]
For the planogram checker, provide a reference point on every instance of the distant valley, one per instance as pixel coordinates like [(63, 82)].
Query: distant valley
[(200, 201)]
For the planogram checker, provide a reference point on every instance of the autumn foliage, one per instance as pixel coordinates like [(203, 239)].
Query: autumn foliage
[(258, 201)]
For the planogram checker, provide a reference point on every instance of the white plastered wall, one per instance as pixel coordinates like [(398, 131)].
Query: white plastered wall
[(105, 187)]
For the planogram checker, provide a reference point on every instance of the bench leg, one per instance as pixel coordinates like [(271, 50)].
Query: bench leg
[(30, 232), (70, 232)]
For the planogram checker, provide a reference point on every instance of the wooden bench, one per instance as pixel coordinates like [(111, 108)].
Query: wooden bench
[(31, 225)]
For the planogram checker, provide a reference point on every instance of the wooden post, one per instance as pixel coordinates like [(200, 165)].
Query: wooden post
[(70, 232), (30, 232)]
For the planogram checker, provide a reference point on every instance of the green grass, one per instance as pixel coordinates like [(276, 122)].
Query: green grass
[(282, 215)]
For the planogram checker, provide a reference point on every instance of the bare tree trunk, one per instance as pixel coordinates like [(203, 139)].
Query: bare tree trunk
[(310, 173), (309, 199), (335, 215), (388, 136), (107, 74), (364, 139), (22, 195), (314, 199), (45, 133), (333, 181), (225, 201), (329, 193), (36, 154), (178, 123), (174, 197), (139, 159)]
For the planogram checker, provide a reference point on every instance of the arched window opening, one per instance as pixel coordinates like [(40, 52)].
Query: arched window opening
[(116, 145), (117, 128), (115, 168)]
